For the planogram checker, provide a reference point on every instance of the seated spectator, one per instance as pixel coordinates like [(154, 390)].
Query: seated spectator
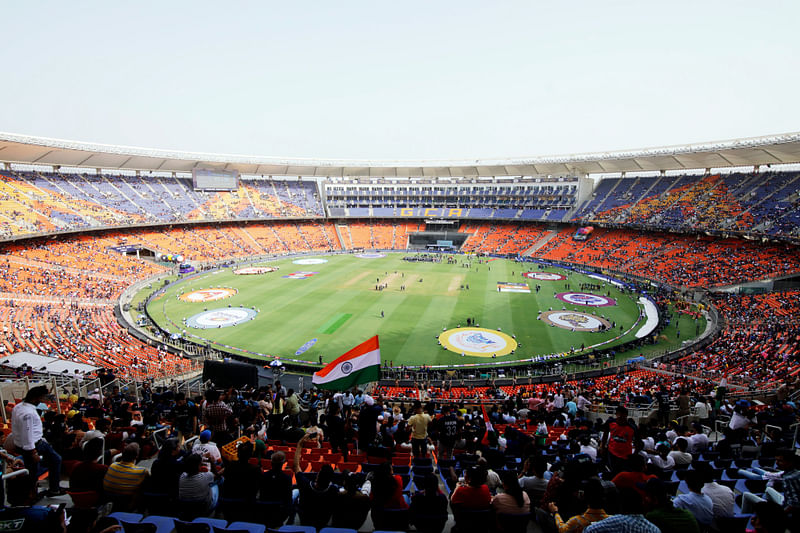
[(472, 493), (241, 478), (769, 518), (788, 461), (428, 503), (665, 515), (492, 478), (387, 489), (88, 474), (166, 469), (697, 503), (316, 498), (630, 519), (532, 479), (662, 460), (513, 500), (594, 510), (633, 477), (722, 499), (352, 503), (680, 455), (123, 480), (195, 486)]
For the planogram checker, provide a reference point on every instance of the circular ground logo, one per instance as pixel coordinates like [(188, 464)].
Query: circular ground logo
[(207, 295), (544, 276), (310, 261), (254, 270), (574, 321), (585, 298), (370, 256), (478, 342), (221, 318)]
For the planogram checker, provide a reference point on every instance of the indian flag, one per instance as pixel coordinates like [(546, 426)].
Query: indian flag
[(362, 364)]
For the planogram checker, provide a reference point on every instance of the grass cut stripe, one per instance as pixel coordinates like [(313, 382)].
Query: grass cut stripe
[(334, 323)]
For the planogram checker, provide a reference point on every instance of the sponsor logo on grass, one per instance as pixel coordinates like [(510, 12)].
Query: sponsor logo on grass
[(221, 318), (254, 270), (304, 348), (310, 261), (573, 320), (207, 295), (506, 286), (585, 298), (544, 276), (478, 342), (300, 275), (370, 256)]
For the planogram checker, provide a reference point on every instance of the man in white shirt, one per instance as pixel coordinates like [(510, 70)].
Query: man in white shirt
[(722, 499), (681, 456), (208, 450), (699, 441), (28, 438)]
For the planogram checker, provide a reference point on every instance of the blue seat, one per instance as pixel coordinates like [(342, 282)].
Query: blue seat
[(132, 518), (164, 524), (297, 529), (244, 526), (733, 524), (390, 519), (192, 527), (213, 522), (513, 523), (137, 527)]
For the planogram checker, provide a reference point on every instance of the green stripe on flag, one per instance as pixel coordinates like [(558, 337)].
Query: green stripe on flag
[(367, 375), (334, 323)]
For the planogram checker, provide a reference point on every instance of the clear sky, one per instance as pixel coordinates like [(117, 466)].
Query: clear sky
[(400, 80)]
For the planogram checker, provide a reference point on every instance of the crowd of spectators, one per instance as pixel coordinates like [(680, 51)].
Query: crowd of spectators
[(320, 458)]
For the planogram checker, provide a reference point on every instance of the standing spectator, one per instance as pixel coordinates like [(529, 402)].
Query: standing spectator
[(449, 430), (618, 440), (28, 437), (292, 408), (216, 415), (209, 451), (419, 431)]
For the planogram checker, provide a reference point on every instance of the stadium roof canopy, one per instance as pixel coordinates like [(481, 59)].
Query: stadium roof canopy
[(753, 151)]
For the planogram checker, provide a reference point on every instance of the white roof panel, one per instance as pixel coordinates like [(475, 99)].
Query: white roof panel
[(773, 149)]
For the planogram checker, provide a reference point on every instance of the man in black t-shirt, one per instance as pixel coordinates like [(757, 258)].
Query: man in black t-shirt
[(449, 429), (185, 415)]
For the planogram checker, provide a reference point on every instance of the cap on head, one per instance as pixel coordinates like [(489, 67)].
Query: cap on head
[(205, 435)]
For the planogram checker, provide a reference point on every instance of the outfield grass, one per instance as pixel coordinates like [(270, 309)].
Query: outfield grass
[(340, 307)]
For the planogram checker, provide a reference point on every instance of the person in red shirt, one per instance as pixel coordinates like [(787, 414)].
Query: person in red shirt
[(618, 440), (633, 477), (473, 493)]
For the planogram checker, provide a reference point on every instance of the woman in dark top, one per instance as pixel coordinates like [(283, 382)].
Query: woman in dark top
[(387, 489), (352, 504), (166, 469), (427, 504), (318, 497)]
